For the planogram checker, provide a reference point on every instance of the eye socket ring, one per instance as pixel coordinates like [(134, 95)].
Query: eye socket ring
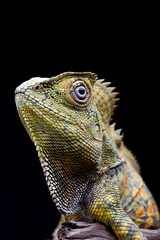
[(77, 92)]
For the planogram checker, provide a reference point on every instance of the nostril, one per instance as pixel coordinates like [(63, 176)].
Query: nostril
[(31, 84), (37, 87)]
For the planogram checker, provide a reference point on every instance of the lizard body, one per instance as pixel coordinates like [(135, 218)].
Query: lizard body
[(90, 173)]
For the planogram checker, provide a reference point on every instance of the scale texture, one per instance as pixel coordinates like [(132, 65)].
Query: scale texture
[(90, 173)]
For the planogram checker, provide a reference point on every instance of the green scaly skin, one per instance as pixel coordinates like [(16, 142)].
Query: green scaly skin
[(91, 175)]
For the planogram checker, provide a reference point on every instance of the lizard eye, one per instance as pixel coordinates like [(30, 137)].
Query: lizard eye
[(77, 92), (80, 92)]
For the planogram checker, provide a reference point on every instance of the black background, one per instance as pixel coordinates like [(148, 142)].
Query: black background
[(126, 56)]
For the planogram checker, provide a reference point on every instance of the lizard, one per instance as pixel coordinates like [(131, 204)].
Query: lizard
[(90, 173)]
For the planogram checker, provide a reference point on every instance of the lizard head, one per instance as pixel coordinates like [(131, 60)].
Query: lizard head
[(65, 116), (63, 122)]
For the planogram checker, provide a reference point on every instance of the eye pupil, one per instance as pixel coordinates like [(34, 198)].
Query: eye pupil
[(80, 92)]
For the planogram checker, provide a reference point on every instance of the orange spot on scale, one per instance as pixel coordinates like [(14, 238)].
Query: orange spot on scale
[(122, 156), (157, 212), (140, 212), (122, 190), (136, 237), (143, 193), (136, 197), (150, 209), (125, 180), (125, 166), (149, 222), (135, 193), (138, 221)]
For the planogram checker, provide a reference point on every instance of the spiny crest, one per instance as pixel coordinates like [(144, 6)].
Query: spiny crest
[(116, 134), (105, 100)]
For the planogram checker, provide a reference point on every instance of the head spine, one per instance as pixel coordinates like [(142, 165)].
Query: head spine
[(105, 100)]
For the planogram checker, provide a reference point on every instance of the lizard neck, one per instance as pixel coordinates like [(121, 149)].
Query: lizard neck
[(68, 168), (67, 180)]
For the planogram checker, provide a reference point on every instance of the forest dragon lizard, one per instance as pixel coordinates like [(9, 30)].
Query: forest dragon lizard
[(90, 173)]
